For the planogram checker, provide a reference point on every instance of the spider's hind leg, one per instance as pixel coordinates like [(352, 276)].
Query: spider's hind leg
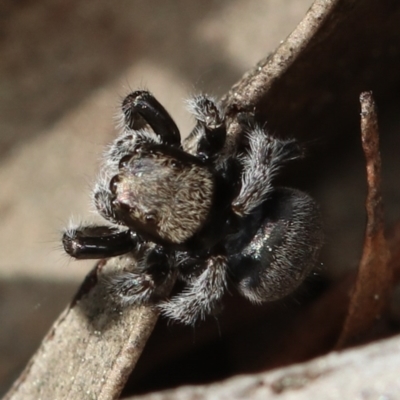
[(284, 249)]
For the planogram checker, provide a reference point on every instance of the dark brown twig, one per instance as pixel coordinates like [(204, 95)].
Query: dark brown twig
[(370, 297)]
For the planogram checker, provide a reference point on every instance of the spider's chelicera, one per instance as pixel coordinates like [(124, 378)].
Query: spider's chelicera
[(195, 210)]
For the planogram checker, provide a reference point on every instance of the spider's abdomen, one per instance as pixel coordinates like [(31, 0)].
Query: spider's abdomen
[(163, 195), (284, 248)]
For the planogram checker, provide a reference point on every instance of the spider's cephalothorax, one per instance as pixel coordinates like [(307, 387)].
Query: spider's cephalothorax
[(193, 210)]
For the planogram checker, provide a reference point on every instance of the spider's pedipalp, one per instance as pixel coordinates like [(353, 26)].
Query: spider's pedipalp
[(102, 199)]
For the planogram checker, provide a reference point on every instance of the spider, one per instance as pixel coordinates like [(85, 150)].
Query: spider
[(195, 210)]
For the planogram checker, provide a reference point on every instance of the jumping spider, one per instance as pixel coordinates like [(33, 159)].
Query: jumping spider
[(208, 215)]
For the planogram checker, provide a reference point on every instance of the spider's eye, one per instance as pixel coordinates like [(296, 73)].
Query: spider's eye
[(151, 219), (137, 149), (203, 157), (124, 162), (114, 184)]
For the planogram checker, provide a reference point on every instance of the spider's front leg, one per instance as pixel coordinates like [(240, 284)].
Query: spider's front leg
[(141, 107), (282, 251), (202, 296), (150, 269), (97, 242)]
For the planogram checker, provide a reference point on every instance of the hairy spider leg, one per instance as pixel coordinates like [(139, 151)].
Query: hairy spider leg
[(202, 296), (97, 242), (262, 161), (149, 272), (141, 106), (209, 134)]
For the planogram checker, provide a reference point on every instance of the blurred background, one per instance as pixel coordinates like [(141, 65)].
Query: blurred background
[(64, 68)]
